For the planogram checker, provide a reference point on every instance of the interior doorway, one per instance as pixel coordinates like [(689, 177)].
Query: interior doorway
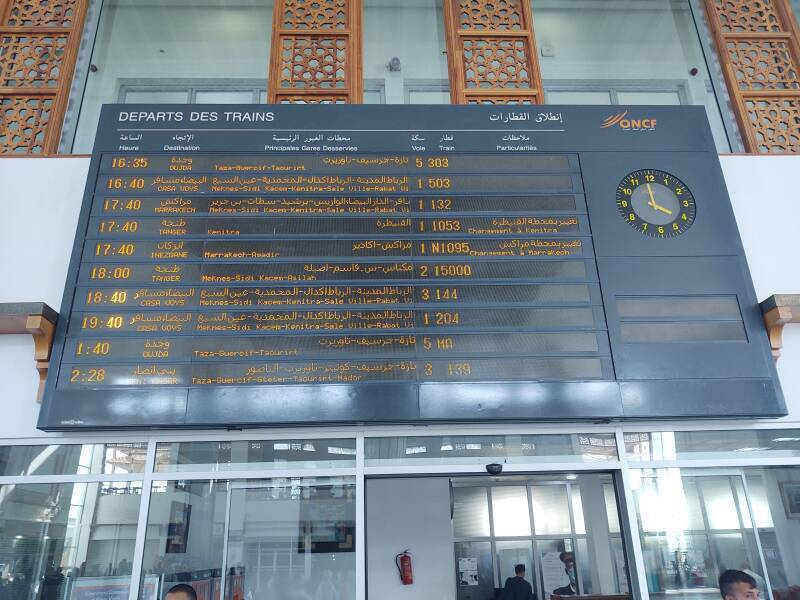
[(466, 535)]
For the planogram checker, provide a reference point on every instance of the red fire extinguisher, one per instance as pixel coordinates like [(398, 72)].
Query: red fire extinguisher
[(403, 562)]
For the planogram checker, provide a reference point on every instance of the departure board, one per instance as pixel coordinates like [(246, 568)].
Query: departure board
[(261, 265)]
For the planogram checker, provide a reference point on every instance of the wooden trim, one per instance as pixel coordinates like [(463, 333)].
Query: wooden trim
[(65, 79), (353, 89), (456, 36), (455, 61), (761, 86), (58, 94), (779, 310), (37, 319), (501, 92)]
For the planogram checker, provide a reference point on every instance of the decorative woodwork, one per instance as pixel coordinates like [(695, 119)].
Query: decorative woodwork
[(759, 47), (492, 52), (316, 52), (37, 319), (778, 310), (38, 46)]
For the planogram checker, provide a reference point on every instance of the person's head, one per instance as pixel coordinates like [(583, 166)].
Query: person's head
[(737, 585), (519, 570), (182, 591), (568, 558)]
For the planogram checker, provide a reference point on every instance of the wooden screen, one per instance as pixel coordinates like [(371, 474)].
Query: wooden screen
[(316, 52), (492, 52), (38, 46), (759, 46)]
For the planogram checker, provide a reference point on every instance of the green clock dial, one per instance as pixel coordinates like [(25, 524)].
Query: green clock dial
[(656, 203)]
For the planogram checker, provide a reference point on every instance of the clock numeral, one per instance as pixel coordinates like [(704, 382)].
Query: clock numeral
[(644, 201)]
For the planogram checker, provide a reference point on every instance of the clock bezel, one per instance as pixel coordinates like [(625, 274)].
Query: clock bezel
[(646, 227)]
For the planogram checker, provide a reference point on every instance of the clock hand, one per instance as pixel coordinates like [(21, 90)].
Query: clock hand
[(661, 208), (652, 202), (655, 206)]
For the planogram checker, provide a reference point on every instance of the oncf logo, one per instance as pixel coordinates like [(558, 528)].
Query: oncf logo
[(623, 122)]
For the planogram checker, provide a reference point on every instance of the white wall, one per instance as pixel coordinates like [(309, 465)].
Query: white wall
[(416, 38), (411, 514), (41, 198), (765, 193)]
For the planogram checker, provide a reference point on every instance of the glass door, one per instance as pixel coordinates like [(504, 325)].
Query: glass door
[(558, 532), (290, 538), (696, 524)]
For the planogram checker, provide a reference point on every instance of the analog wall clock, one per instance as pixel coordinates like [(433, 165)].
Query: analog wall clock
[(656, 203)]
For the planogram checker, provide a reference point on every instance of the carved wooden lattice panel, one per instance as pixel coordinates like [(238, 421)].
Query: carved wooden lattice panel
[(759, 46), (492, 52), (38, 45), (316, 52)]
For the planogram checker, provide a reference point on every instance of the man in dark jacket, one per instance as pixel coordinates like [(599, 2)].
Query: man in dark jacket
[(517, 588), (571, 589)]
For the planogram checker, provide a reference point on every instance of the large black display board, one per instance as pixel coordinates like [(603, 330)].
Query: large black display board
[(256, 265)]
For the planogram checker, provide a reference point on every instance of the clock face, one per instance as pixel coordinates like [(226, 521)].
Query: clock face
[(655, 203)]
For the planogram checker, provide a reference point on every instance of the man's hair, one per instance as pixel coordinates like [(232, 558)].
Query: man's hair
[(183, 588), (732, 576), (520, 568), (565, 556)]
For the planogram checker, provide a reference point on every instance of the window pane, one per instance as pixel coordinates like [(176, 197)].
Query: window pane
[(470, 512), (99, 459), (428, 97), (261, 454), (667, 501), (577, 510), (646, 50), (474, 570), (585, 558), (415, 49), (557, 564), (223, 97), (611, 508), (374, 96), (510, 511), (677, 563), (509, 555), (294, 539), (775, 498), (550, 509), (490, 448), (155, 44), (759, 502), (657, 98), (155, 97), (719, 503), (686, 553), (577, 97), (64, 537), (275, 528), (753, 443)]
